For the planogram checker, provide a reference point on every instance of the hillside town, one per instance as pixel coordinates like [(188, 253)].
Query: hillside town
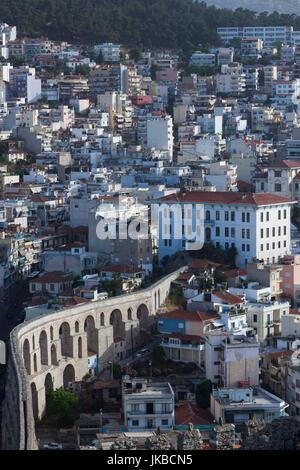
[(150, 242)]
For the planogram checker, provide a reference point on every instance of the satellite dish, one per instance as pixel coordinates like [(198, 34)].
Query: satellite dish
[(133, 383), (127, 377)]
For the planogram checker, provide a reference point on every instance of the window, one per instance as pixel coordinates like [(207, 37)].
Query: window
[(243, 247), (248, 217), (277, 188), (279, 231), (217, 231), (135, 407), (261, 216), (226, 215), (284, 230), (284, 214), (277, 174), (248, 247), (278, 244), (268, 246), (267, 232), (279, 215), (52, 287), (261, 233), (164, 422), (226, 232), (226, 246), (268, 218), (273, 248), (217, 215), (273, 231), (254, 318), (243, 233), (232, 232), (232, 216), (135, 422), (261, 247), (248, 233), (243, 217)]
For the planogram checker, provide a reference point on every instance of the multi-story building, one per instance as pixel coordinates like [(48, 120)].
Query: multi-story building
[(24, 84), (265, 317), (110, 52), (251, 46), (160, 134), (147, 405), (293, 390), (106, 78), (231, 359), (268, 34), (267, 275), (232, 79), (238, 405), (270, 78), (203, 60), (258, 225)]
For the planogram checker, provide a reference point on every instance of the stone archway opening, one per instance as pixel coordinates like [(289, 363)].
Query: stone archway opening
[(68, 375), (102, 319), (80, 347), (48, 385), (43, 342), (91, 334), (26, 356), (118, 325), (66, 340), (35, 401), (129, 314), (54, 361), (143, 316)]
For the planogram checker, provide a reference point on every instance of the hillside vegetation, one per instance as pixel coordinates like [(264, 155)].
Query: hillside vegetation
[(144, 23)]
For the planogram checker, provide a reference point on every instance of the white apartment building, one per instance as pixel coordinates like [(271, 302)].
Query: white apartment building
[(268, 34), (146, 405), (230, 359), (232, 79), (160, 134), (280, 177), (265, 317), (201, 59), (258, 225), (293, 390), (110, 52)]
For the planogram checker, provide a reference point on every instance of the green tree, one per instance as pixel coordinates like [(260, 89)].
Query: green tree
[(203, 392), (83, 69), (158, 354), (153, 69), (117, 371), (62, 407), (219, 277), (114, 286)]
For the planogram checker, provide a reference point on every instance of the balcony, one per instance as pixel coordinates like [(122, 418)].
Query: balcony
[(209, 222)]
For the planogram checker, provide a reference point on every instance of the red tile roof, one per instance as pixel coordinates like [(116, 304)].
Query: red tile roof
[(202, 263), (285, 164), (182, 336), (227, 297), (189, 413), (222, 197), (123, 268), (235, 272), (190, 315), (53, 276)]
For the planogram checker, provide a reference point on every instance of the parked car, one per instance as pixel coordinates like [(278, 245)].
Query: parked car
[(52, 446)]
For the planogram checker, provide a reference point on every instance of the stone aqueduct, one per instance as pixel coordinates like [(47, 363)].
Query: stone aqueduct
[(51, 350)]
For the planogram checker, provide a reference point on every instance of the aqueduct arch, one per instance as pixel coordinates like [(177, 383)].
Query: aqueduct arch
[(66, 340), (68, 375), (28, 398), (91, 334), (26, 356), (43, 343), (117, 322)]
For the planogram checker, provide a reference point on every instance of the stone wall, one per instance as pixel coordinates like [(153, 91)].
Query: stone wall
[(49, 351)]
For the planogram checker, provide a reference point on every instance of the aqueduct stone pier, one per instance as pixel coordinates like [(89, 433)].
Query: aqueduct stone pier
[(49, 351)]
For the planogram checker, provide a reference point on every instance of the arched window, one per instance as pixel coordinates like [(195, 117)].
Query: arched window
[(51, 333), (76, 327), (80, 347), (129, 314), (102, 321)]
